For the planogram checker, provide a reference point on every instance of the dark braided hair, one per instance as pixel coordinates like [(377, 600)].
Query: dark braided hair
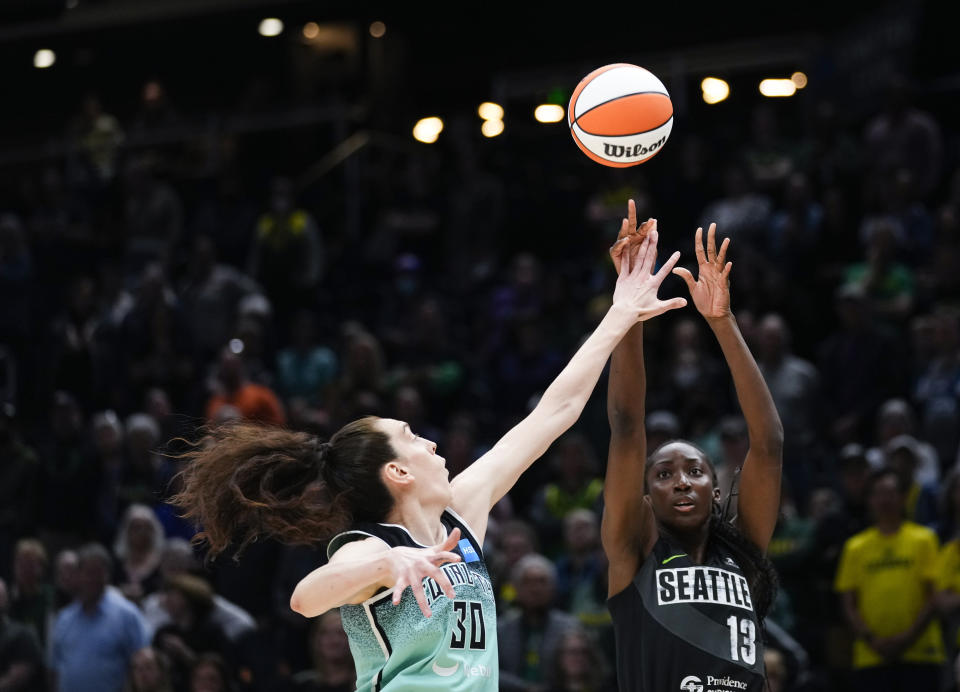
[(757, 568)]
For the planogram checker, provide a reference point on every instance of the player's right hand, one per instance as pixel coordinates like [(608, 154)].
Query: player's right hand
[(630, 234), (409, 566), (637, 286)]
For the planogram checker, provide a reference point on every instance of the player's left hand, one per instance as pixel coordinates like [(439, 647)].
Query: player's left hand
[(711, 289), (631, 236)]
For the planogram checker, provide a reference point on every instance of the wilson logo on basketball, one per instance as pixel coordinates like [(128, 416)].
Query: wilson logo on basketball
[(620, 151)]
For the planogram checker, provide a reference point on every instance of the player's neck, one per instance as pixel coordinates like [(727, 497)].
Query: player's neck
[(422, 521), (693, 542)]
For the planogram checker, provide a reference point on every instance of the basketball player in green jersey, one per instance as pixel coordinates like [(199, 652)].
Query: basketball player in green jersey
[(406, 562), (688, 589)]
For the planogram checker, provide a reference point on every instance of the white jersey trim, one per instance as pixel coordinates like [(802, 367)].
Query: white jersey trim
[(466, 526)]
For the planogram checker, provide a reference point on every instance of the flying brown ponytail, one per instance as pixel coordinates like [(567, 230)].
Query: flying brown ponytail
[(244, 480)]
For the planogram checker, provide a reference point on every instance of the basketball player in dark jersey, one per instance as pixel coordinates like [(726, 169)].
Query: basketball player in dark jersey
[(688, 589)]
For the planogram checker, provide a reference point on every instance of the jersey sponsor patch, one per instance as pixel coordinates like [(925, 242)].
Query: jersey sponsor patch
[(702, 584), (469, 554)]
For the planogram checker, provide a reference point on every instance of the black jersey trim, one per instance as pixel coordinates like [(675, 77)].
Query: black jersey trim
[(369, 606)]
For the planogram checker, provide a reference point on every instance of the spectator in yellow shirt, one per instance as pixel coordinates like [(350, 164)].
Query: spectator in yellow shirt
[(886, 579)]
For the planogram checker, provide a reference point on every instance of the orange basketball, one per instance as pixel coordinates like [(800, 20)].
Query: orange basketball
[(620, 115)]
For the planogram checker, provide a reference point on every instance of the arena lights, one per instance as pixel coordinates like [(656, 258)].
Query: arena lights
[(378, 29), (311, 30), (490, 111), (549, 113), (44, 58), (714, 90), (271, 26), (492, 127), (773, 88), (427, 130), (799, 79)]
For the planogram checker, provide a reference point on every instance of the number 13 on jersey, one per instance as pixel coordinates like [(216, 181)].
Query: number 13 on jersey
[(743, 639)]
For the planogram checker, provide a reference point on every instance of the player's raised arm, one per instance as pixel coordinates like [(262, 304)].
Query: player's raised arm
[(479, 487), (759, 499), (628, 523)]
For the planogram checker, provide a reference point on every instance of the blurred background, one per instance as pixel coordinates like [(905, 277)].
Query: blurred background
[(213, 209)]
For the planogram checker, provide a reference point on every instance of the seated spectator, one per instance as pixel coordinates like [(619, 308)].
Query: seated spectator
[(577, 486), (886, 580), (211, 293), (191, 631), (887, 284), (32, 597), (579, 665), (529, 634), (138, 550), (253, 401), (903, 454), (333, 669), (21, 660), (305, 369), (149, 672), (287, 256), (110, 445), (948, 507), (210, 674), (582, 570), (18, 484), (68, 478), (95, 637), (515, 539), (177, 558), (66, 577), (896, 418)]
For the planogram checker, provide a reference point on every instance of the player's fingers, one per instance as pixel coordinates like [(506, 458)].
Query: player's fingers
[(450, 541), (698, 247), (685, 274), (650, 261), (712, 243), (443, 582), (421, 597), (441, 558), (722, 255), (668, 266), (632, 214), (726, 270), (667, 305), (625, 230), (398, 589)]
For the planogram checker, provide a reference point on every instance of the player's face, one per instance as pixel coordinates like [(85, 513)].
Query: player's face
[(681, 486), (420, 456)]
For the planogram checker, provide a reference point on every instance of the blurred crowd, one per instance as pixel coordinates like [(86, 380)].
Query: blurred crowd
[(146, 292)]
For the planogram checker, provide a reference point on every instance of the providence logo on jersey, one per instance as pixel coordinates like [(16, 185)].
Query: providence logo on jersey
[(692, 683), (702, 584)]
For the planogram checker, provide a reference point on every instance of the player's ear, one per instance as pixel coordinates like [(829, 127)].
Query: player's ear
[(395, 473)]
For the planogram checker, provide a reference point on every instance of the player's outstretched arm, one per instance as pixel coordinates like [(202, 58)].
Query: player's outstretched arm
[(759, 499), (358, 570), (480, 486), (628, 527)]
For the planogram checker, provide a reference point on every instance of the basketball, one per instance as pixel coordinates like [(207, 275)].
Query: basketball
[(620, 115)]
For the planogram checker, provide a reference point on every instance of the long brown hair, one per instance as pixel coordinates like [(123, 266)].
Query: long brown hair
[(246, 480)]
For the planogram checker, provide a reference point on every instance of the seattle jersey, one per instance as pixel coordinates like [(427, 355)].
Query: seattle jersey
[(396, 648), (684, 627)]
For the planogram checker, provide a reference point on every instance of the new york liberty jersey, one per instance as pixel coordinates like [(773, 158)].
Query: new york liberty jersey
[(684, 627), (396, 648)]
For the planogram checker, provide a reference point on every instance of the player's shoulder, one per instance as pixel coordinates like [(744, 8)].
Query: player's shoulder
[(354, 544)]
